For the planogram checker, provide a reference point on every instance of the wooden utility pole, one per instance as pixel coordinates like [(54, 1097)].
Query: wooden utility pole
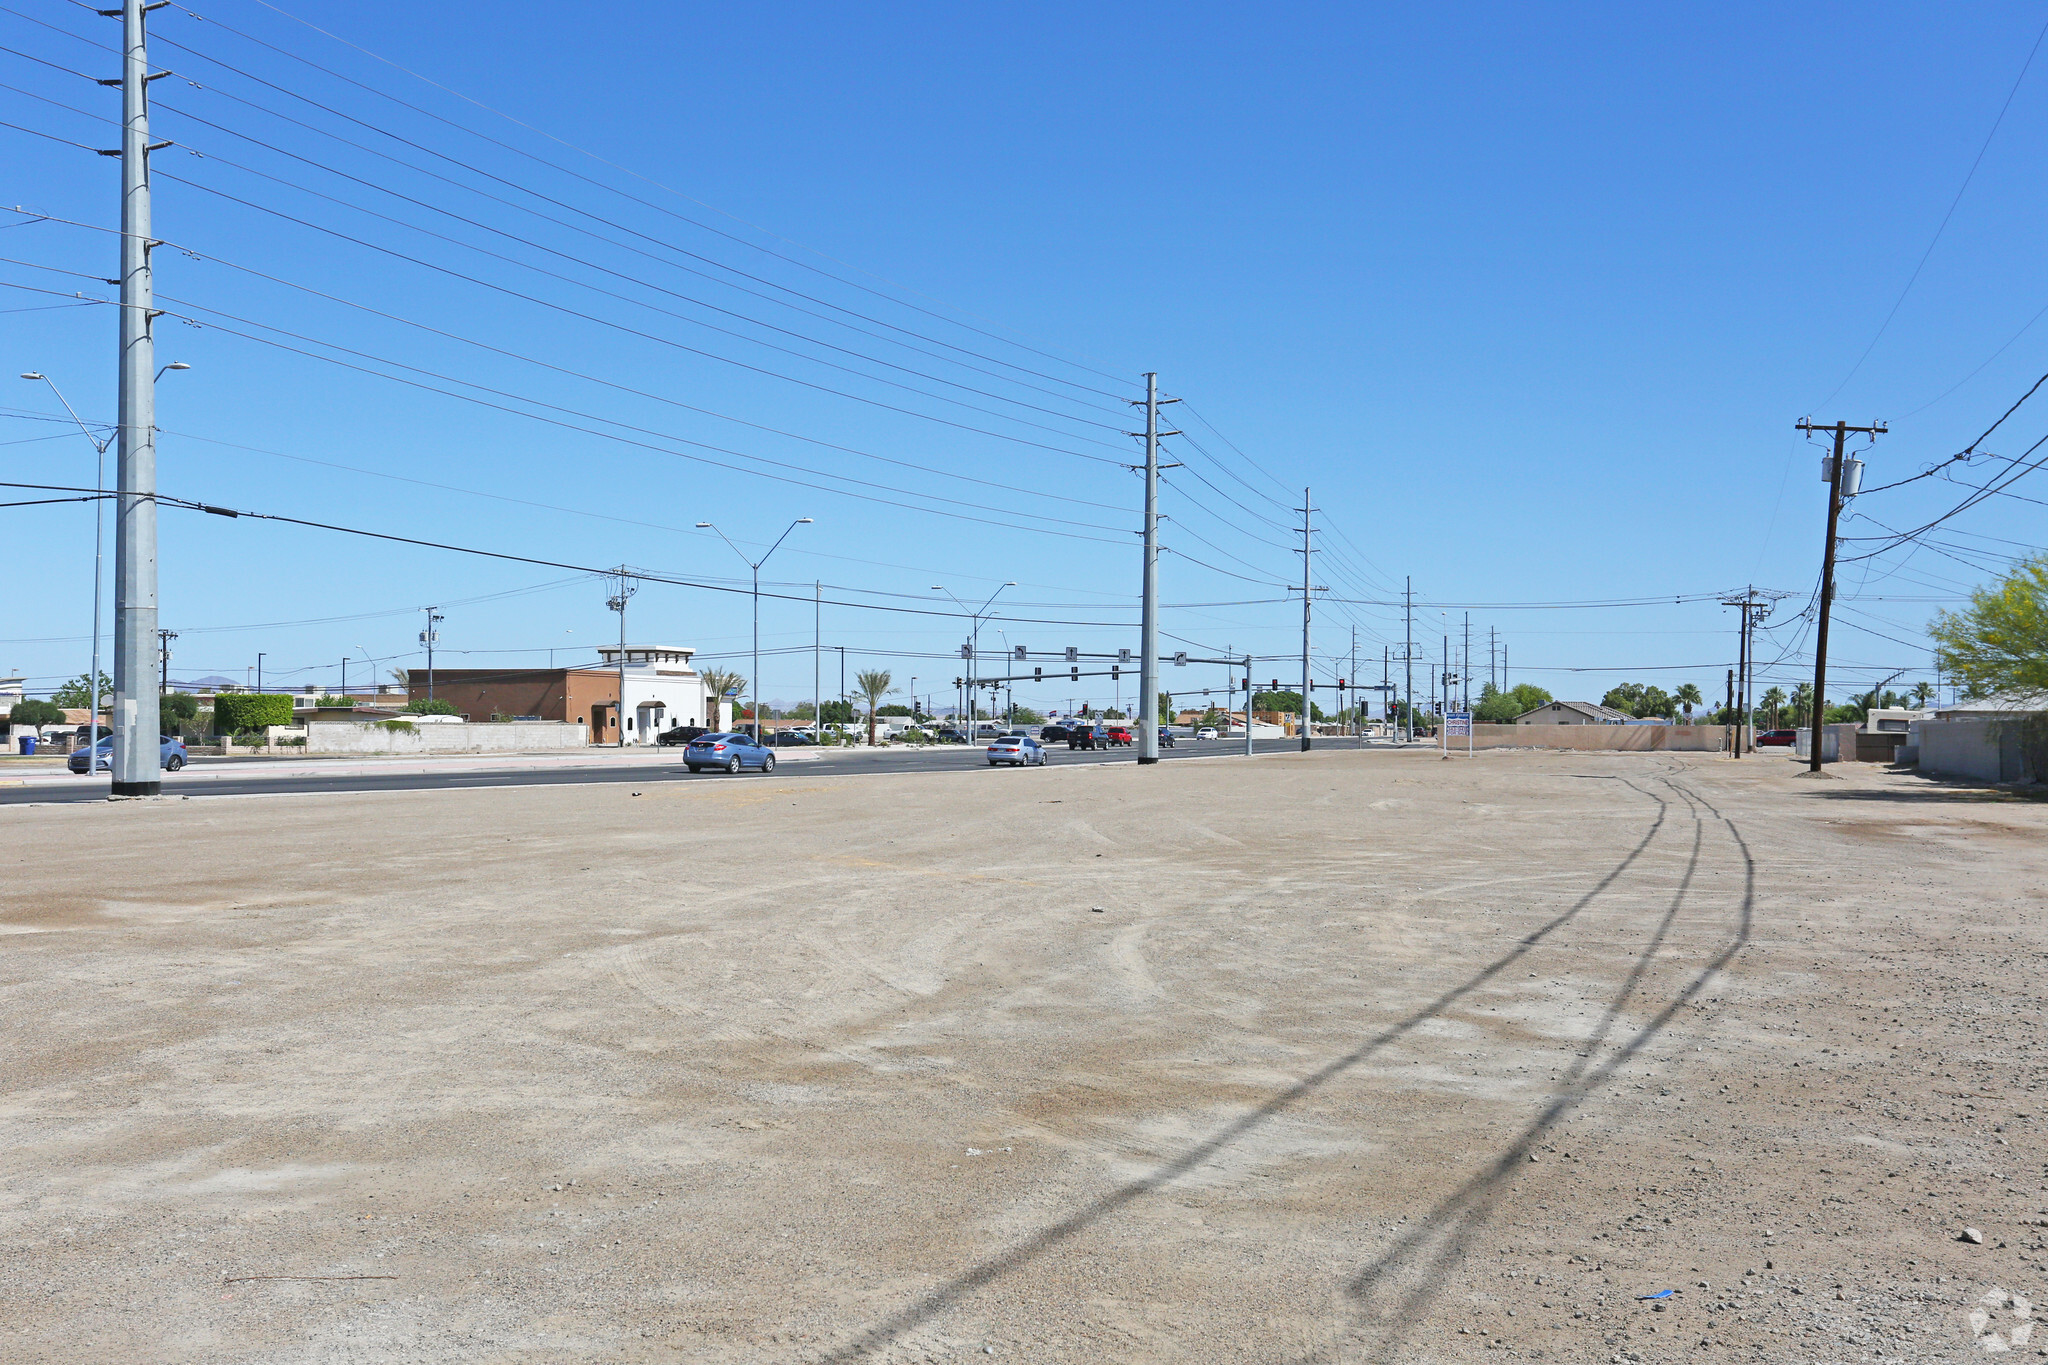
[(1833, 470)]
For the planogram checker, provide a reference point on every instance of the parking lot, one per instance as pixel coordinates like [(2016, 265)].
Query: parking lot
[(1339, 1056)]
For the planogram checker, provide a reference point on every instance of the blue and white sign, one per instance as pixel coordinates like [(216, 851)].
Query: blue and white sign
[(1458, 723)]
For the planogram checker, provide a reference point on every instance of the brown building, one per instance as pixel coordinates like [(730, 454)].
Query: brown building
[(586, 695), (664, 691)]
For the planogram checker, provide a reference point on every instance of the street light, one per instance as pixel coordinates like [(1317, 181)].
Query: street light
[(98, 529), (99, 502), (755, 565), (973, 643)]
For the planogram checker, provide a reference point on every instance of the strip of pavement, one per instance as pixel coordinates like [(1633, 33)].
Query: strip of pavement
[(205, 783)]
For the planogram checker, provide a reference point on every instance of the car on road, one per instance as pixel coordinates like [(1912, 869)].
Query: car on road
[(170, 753), (731, 752), (1052, 734), (949, 735), (1019, 751), (1165, 738), (1206, 732), (791, 738), (1780, 739), (1118, 734), (1087, 737), (681, 734)]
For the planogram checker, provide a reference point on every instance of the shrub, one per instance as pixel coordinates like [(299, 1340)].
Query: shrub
[(35, 712), (399, 727), (175, 710), (434, 707), (236, 712), (335, 703)]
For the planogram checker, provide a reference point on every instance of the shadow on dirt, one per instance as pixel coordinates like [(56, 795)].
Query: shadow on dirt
[(1447, 1228)]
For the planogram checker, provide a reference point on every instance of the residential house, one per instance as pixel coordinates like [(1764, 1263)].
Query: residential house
[(1574, 713)]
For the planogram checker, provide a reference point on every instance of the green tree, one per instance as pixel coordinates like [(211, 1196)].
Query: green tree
[(1026, 716), (874, 685), (35, 712), (78, 692), (1639, 699), (437, 706), (836, 713), (1998, 644), (175, 710), (893, 709), (1505, 708), (1802, 704), (1688, 696), (1167, 710), (1773, 701), (718, 682), (1922, 694)]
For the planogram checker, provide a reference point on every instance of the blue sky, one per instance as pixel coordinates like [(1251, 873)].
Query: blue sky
[(1531, 297)]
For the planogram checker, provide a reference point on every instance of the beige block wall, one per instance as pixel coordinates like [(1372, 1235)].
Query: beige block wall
[(1613, 738)]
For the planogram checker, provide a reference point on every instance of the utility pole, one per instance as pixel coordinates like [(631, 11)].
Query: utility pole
[(137, 762), (1386, 679), (1408, 660), (164, 638), (427, 638), (1247, 705), (1308, 706), (259, 676), (617, 602), (1148, 624), (818, 663), (1465, 669), (1842, 483), (1353, 676)]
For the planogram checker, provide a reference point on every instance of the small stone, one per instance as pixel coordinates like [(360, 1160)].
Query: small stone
[(1972, 1236), (1095, 910), (1534, 1157)]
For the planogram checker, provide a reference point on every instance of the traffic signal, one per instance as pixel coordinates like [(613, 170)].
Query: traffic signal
[(1084, 708), (1038, 675), (1114, 672), (1276, 684), (1340, 684), (1074, 674)]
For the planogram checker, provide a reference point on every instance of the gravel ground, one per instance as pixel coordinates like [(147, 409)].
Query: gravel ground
[(1329, 1057)]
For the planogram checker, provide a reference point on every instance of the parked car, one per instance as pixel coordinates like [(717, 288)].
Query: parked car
[(1052, 734), (949, 735), (730, 751), (1782, 739), (790, 738), (1117, 734), (1206, 732), (170, 753), (682, 734), (1019, 751), (1165, 738)]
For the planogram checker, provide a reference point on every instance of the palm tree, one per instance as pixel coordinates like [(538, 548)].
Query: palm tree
[(1772, 700), (874, 686), (1802, 703), (1923, 692), (1688, 696), (718, 682)]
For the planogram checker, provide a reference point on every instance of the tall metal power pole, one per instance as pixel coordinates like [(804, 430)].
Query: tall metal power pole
[(1833, 470), (1148, 627), (136, 759), (164, 638), (427, 637), (1465, 669), (1408, 659), (818, 663), (1308, 706)]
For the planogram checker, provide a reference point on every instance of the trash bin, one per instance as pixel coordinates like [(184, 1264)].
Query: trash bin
[(28, 744)]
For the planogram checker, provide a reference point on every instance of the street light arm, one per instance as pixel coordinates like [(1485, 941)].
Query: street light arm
[(98, 444), (709, 526), (800, 521)]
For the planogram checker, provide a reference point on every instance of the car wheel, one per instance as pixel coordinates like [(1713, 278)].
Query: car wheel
[(768, 765), (176, 762), (695, 768), (732, 766)]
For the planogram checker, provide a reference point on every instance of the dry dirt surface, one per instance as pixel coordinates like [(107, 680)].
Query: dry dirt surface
[(1319, 1058)]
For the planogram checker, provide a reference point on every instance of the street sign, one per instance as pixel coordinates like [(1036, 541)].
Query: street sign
[(1123, 656), (1458, 723), (966, 652), (1073, 653), (1019, 653), (1180, 660)]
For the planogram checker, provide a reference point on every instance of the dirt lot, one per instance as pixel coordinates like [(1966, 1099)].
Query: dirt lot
[(1336, 1057)]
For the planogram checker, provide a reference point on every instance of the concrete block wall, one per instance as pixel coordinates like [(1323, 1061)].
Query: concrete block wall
[(516, 736)]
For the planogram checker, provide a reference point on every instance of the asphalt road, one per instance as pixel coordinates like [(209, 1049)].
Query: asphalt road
[(202, 779)]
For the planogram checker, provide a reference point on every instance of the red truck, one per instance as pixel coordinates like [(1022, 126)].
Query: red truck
[(1119, 734)]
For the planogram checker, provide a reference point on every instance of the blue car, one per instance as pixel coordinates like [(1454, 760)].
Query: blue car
[(171, 753), (732, 752)]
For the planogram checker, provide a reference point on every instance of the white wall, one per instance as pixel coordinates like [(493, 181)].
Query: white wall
[(1968, 748), (516, 736)]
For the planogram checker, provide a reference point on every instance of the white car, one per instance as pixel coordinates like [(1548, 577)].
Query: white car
[(1206, 732)]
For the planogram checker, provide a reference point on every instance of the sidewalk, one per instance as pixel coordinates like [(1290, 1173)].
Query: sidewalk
[(242, 767)]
